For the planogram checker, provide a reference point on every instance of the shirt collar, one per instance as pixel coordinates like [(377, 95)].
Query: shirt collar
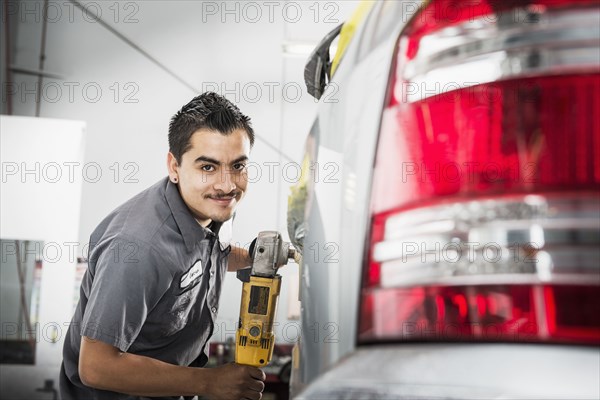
[(190, 229)]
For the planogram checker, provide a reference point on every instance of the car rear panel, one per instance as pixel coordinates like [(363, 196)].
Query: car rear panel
[(461, 371), (510, 85)]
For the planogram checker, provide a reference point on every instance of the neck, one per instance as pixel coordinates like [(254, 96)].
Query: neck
[(204, 223)]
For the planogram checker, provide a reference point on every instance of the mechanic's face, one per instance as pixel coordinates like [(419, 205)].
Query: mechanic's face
[(212, 176)]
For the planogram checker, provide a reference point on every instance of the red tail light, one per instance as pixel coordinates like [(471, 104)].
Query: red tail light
[(485, 208)]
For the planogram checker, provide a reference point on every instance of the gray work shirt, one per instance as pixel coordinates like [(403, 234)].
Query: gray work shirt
[(152, 286)]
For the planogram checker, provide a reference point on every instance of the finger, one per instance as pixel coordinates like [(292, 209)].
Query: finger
[(257, 385), (252, 395), (257, 374)]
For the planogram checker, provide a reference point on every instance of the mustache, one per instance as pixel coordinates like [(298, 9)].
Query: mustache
[(219, 196)]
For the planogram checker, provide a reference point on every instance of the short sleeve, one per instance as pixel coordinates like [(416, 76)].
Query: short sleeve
[(226, 233), (129, 279)]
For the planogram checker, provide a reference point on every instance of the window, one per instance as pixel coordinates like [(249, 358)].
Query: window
[(20, 276)]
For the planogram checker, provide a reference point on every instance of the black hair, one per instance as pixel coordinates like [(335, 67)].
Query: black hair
[(210, 111)]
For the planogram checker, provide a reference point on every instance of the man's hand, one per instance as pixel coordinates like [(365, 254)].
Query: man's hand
[(105, 367), (238, 258), (235, 381)]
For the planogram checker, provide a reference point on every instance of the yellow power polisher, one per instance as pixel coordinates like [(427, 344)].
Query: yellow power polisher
[(255, 339)]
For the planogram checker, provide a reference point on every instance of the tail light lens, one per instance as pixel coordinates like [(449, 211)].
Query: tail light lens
[(486, 201)]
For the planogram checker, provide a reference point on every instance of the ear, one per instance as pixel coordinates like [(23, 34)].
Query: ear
[(173, 168)]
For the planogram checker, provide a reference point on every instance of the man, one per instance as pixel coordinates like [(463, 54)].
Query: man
[(150, 295)]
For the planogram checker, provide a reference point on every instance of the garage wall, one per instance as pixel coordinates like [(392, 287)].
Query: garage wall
[(37, 205)]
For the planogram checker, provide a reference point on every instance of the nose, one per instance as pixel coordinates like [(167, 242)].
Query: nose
[(225, 183)]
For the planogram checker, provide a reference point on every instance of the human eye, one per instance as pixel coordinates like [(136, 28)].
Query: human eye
[(239, 166), (207, 168)]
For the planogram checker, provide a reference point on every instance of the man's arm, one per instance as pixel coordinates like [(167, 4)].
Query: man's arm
[(238, 258), (105, 367)]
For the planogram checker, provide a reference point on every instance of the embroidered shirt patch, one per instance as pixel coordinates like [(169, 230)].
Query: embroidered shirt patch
[(191, 275)]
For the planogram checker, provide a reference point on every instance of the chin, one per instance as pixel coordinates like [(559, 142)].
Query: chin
[(222, 218)]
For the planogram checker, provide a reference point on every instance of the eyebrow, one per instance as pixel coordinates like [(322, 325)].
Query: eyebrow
[(217, 162)]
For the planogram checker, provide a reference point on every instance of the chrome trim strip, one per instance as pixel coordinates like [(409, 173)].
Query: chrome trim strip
[(483, 51), (544, 239)]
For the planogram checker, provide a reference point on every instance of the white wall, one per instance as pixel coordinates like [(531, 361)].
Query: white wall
[(42, 205)]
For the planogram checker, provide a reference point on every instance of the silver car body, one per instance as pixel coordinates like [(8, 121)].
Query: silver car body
[(329, 364)]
